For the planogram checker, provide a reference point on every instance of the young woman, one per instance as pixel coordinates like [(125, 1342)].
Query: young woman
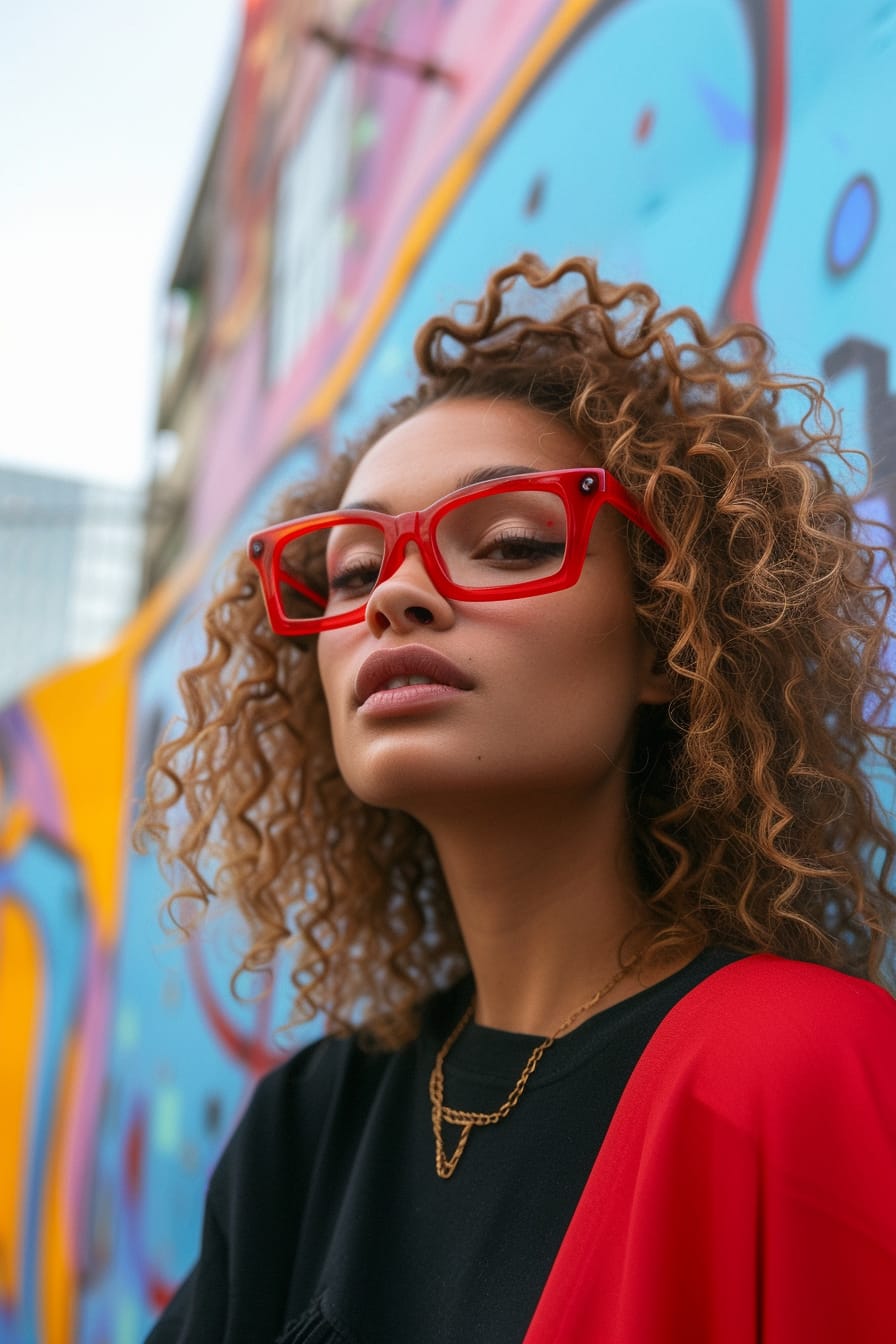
[(540, 741)]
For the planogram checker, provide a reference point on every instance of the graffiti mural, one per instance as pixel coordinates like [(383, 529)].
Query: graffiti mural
[(733, 153)]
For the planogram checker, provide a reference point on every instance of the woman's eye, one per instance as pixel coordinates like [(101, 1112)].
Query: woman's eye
[(519, 550), (354, 578)]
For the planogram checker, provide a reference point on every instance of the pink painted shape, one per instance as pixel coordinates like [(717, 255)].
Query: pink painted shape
[(425, 124), (34, 775), (79, 1145)]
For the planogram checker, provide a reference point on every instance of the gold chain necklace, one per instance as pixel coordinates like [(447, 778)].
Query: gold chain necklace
[(466, 1120)]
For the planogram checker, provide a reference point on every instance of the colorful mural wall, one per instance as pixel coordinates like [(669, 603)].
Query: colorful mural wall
[(734, 153)]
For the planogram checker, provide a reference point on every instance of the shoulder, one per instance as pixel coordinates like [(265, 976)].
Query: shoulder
[(786, 1000), (767, 1031)]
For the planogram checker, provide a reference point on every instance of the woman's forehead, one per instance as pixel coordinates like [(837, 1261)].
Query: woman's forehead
[(442, 446)]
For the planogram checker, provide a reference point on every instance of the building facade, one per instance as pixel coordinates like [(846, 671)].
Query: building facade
[(70, 555)]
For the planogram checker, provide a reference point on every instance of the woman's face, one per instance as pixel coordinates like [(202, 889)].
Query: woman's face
[(545, 688)]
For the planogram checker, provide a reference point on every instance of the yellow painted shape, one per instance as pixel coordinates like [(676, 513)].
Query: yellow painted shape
[(84, 716), (16, 824), (21, 1000)]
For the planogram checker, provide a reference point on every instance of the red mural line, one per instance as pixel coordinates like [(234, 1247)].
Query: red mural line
[(157, 1291), (769, 56), (246, 1049), (134, 1147), (644, 125)]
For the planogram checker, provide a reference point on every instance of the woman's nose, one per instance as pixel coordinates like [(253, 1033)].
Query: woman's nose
[(407, 599)]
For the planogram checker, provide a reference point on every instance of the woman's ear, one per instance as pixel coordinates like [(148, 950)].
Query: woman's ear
[(656, 683)]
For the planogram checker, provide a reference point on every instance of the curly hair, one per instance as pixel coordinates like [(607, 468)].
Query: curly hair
[(754, 814)]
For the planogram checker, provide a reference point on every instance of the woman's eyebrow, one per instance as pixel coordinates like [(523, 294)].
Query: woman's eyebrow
[(483, 474), (477, 477), (371, 505)]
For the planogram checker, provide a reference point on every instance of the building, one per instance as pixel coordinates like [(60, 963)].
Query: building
[(70, 554)]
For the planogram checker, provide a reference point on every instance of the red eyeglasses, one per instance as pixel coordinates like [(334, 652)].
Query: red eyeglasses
[(517, 536)]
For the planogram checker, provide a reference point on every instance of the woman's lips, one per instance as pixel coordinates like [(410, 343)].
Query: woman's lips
[(416, 675), (402, 700)]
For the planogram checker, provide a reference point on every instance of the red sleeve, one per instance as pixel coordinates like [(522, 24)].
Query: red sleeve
[(746, 1189)]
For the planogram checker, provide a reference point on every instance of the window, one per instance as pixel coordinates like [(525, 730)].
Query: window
[(308, 226)]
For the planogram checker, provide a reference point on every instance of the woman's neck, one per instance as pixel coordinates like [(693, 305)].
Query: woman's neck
[(544, 896)]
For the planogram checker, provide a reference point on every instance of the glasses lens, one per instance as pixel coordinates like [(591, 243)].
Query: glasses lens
[(504, 539), (329, 571)]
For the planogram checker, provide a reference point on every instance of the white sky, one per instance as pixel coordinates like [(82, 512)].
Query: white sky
[(107, 109)]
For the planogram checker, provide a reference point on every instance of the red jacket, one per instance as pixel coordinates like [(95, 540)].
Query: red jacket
[(746, 1189)]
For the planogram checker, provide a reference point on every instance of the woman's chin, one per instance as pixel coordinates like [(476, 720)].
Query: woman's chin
[(408, 793)]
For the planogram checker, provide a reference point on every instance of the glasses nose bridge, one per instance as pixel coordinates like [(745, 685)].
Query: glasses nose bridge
[(404, 529)]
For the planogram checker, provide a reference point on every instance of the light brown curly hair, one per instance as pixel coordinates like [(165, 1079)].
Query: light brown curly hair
[(755, 820)]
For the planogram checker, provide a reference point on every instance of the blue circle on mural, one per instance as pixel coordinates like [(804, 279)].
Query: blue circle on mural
[(852, 224)]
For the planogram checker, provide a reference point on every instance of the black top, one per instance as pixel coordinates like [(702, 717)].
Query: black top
[(326, 1222)]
